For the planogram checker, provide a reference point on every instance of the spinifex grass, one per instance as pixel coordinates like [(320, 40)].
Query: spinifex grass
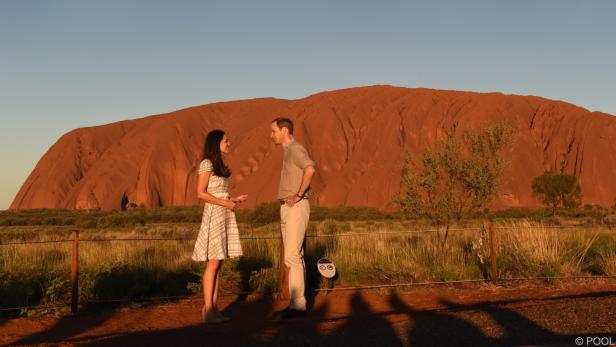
[(383, 252)]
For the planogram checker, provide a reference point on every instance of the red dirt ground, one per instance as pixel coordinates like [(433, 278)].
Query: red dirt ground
[(484, 315)]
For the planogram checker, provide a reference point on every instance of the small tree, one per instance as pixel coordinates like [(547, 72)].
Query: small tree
[(557, 190), (458, 177)]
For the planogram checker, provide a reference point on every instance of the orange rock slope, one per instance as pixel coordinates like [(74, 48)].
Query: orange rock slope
[(357, 136)]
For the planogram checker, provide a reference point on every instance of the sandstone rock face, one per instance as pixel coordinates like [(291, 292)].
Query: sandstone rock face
[(357, 136)]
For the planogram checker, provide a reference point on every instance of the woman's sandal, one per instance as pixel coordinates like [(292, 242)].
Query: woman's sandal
[(211, 318)]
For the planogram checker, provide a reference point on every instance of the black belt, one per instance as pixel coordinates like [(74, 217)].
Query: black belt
[(284, 201)]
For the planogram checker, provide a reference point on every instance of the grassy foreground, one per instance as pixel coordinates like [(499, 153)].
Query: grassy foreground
[(386, 252)]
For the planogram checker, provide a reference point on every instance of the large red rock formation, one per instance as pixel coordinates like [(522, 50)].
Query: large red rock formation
[(357, 137)]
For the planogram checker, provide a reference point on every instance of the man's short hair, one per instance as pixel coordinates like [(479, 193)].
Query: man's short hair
[(284, 123)]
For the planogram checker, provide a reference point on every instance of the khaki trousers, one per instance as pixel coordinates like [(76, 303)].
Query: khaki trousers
[(294, 221)]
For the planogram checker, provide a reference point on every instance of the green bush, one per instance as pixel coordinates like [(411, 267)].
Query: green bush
[(31, 289), (133, 282), (557, 190)]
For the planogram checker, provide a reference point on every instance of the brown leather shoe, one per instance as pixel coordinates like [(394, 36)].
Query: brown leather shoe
[(289, 313)]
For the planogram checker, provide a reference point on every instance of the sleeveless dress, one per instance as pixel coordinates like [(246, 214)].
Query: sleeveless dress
[(219, 236)]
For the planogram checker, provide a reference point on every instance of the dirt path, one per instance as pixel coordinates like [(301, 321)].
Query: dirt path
[(440, 316)]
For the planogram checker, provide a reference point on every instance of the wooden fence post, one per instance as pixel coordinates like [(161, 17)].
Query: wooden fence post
[(492, 252), (75, 273)]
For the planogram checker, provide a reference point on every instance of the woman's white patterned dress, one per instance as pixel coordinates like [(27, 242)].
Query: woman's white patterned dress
[(219, 237)]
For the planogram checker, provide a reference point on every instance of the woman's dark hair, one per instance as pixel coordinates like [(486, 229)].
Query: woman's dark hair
[(211, 151)]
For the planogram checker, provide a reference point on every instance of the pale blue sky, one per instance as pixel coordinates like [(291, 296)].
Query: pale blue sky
[(69, 64)]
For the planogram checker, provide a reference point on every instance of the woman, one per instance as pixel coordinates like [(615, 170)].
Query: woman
[(219, 236)]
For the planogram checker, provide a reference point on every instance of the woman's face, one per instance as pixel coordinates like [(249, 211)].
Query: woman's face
[(225, 144)]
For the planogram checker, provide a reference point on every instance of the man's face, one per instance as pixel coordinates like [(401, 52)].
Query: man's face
[(277, 133)]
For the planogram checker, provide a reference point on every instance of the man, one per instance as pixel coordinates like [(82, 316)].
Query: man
[(293, 193)]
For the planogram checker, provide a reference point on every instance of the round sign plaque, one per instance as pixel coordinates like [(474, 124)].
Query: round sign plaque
[(326, 268)]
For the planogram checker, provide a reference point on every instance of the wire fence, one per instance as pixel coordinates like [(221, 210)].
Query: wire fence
[(75, 240), (308, 236)]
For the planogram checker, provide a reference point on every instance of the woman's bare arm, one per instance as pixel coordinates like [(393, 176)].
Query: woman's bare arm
[(202, 193)]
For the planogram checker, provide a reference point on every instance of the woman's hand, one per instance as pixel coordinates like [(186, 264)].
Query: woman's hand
[(230, 205), (240, 198)]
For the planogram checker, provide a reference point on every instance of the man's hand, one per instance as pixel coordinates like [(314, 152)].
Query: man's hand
[(292, 200)]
